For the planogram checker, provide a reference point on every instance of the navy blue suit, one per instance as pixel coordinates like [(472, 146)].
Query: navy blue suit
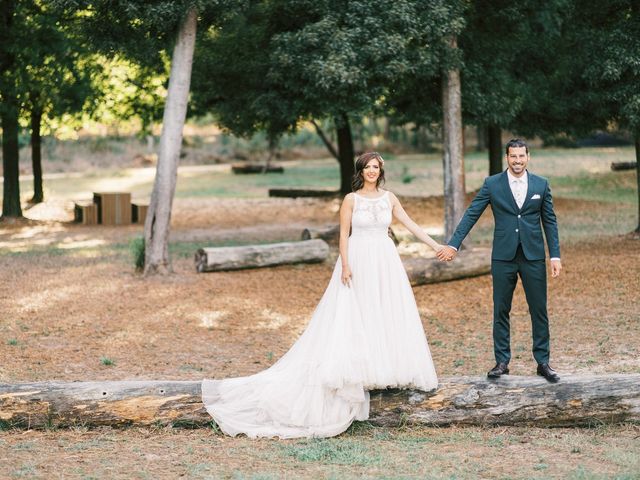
[(518, 250)]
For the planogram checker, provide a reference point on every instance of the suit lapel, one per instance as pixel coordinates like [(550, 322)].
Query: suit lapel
[(507, 191), (529, 190)]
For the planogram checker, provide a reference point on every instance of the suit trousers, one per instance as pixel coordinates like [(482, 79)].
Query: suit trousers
[(533, 274)]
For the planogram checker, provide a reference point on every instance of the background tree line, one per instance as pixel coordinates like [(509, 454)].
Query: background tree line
[(561, 67)]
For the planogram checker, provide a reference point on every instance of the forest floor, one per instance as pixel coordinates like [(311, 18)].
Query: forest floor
[(73, 308)]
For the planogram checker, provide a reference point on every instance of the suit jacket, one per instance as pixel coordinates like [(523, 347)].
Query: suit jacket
[(514, 225)]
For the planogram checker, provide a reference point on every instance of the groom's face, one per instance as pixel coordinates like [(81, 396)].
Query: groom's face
[(517, 159)]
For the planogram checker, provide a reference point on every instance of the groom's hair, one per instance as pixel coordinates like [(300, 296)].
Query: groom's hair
[(516, 143)]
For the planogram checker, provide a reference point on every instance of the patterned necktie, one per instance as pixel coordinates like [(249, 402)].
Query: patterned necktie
[(518, 191)]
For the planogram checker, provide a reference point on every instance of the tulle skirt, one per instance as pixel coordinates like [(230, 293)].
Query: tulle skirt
[(364, 337)]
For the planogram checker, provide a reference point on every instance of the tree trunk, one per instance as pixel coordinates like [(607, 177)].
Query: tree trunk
[(325, 140), (453, 158), (523, 401), (36, 155), (256, 256), (481, 143), (10, 158), (637, 142), (346, 153), (156, 227), (494, 134)]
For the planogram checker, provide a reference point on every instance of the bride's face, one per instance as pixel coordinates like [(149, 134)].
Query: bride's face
[(371, 171)]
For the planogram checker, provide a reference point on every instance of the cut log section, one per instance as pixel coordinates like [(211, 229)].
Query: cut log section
[(85, 213), (617, 166), (256, 256), (468, 263), (523, 401), (247, 168), (302, 192), (331, 234)]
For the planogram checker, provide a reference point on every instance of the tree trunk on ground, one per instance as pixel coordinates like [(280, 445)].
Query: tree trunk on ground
[(453, 158), (156, 227), (470, 263), (256, 256), (524, 401), (494, 134), (637, 142), (36, 155), (10, 159), (346, 153)]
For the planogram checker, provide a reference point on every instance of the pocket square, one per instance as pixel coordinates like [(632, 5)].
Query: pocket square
[(535, 197)]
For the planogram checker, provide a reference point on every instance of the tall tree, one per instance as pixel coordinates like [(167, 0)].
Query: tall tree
[(55, 76), (9, 109), (310, 60), (453, 147), (143, 31), (612, 30), (156, 227)]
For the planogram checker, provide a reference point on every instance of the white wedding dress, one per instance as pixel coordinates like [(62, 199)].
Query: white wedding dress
[(365, 337)]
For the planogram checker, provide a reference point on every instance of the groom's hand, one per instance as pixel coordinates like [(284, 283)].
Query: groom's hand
[(556, 266), (446, 254)]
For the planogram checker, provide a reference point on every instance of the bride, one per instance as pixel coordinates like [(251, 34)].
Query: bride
[(364, 334)]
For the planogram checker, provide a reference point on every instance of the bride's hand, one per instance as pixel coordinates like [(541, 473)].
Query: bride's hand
[(346, 276)]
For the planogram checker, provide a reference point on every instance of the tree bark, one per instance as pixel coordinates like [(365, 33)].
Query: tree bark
[(36, 155), (325, 140), (346, 153), (256, 256), (10, 158), (156, 227), (453, 158), (494, 134), (525, 401), (9, 112), (481, 144)]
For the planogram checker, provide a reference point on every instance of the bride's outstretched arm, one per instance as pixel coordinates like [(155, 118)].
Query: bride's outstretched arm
[(345, 225), (412, 226)]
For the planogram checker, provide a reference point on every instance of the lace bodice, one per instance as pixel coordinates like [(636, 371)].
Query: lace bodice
[(371, 215)]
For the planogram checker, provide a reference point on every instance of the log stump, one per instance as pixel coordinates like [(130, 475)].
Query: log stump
[(256, 256), (619, 166)]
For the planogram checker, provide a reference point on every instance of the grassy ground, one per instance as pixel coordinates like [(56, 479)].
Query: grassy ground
[(72, 308)]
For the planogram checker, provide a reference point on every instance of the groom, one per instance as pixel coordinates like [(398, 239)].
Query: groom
[(520, 202)]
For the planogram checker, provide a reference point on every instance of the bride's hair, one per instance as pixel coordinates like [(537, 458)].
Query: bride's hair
[(362, 161)]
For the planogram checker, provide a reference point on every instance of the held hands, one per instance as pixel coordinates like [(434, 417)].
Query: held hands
[(556, 267), (346, 276), (446, 253)]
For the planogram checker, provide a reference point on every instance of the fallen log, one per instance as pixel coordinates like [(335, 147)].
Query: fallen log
[(256, 256), (250, 168), (575, 401), (468, 263), (618, 166), (302, 192), (331, 234)]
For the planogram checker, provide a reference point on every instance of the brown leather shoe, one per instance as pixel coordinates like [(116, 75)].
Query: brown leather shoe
[(500, 369), (544, 370)]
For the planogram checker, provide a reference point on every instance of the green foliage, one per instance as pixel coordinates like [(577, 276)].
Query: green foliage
[(136, 247), (106, 361)]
